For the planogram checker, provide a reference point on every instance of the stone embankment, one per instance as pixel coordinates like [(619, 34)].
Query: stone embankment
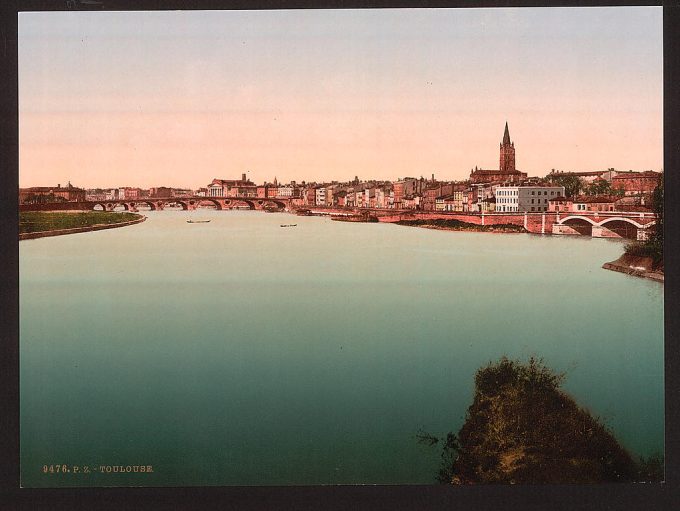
[(636, 266), (75, 230)]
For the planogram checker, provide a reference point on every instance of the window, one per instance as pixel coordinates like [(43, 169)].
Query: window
[(532, 201), (532, 192), (532, 208), (552, 193)]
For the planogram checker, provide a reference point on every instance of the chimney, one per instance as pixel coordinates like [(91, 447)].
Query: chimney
[(58, 185), (433, 178), (243, 177)]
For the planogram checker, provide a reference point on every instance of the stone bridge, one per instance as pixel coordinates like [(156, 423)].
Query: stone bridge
[(606, 225), (158, 204), (632, 225)]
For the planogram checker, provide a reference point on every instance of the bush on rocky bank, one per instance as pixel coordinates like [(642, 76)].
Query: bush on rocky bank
[(521, 428)]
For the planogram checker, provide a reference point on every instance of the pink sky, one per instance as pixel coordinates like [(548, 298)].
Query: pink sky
[(178, 98)]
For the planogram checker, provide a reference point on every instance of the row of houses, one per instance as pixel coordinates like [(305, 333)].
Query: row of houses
[(244, 187), (43, 194), (132, 193), (628, 183), (507, 195)]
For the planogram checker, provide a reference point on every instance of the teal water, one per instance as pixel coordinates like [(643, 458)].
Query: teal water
[(240, 353)]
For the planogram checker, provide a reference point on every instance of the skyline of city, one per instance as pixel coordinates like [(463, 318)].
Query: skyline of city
[(178, 98)]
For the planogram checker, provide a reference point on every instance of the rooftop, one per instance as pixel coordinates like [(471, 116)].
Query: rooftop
[(592, 199)]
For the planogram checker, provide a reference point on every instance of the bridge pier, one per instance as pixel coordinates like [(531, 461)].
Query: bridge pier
[(643, 234), (561, 229), (600, 231)]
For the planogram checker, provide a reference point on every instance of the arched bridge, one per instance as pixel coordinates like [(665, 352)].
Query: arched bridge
[(158, 204), (598, 224), (606, 225)]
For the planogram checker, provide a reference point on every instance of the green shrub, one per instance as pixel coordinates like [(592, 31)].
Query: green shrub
[(521, 428)]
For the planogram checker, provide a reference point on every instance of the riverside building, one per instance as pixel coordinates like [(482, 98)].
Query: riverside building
[(525, 199)]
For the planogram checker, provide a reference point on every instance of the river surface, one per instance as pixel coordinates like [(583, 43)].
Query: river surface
[(237, 352)]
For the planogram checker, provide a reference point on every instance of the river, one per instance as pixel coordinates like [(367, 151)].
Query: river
[(237, 352)]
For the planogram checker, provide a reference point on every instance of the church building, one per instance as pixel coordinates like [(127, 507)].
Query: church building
[(506, 173)]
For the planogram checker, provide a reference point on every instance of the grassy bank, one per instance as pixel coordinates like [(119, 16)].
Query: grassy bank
[(45, 221), (457, 225), (521, 428)]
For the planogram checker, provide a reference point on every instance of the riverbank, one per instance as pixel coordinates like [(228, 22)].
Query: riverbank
[(39, 224), (457, 225), (637, 266)]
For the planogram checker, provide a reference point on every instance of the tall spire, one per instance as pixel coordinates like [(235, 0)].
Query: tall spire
[(506, 135), (507, 160)]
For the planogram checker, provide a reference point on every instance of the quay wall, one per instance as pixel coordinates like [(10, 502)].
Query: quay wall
[(537, 223)]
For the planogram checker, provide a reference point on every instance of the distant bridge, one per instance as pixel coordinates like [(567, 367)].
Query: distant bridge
[(158, 204)]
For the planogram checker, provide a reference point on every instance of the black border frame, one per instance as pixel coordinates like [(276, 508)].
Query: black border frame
[(613, 496)]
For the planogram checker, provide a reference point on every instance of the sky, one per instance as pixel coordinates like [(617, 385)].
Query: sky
[(177, 98)]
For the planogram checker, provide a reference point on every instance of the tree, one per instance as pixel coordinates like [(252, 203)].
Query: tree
[(653, 246), (599, 187), (522, 428), (656, 239), (572, 184)]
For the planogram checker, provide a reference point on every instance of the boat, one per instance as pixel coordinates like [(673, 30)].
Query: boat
[(198, 221), (288, 225)]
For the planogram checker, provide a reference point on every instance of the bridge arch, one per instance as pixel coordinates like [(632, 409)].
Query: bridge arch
[(235, 203), (582, 225), (197, 202), (139, 202), (272, 203), (623, 228), (166, 202), (577, 217), (627, 220)]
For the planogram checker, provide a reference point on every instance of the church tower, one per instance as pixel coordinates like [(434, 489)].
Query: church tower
[(507, 163)]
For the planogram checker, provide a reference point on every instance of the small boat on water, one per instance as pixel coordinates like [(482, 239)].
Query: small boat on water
[(288, 225), (198, 221)]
